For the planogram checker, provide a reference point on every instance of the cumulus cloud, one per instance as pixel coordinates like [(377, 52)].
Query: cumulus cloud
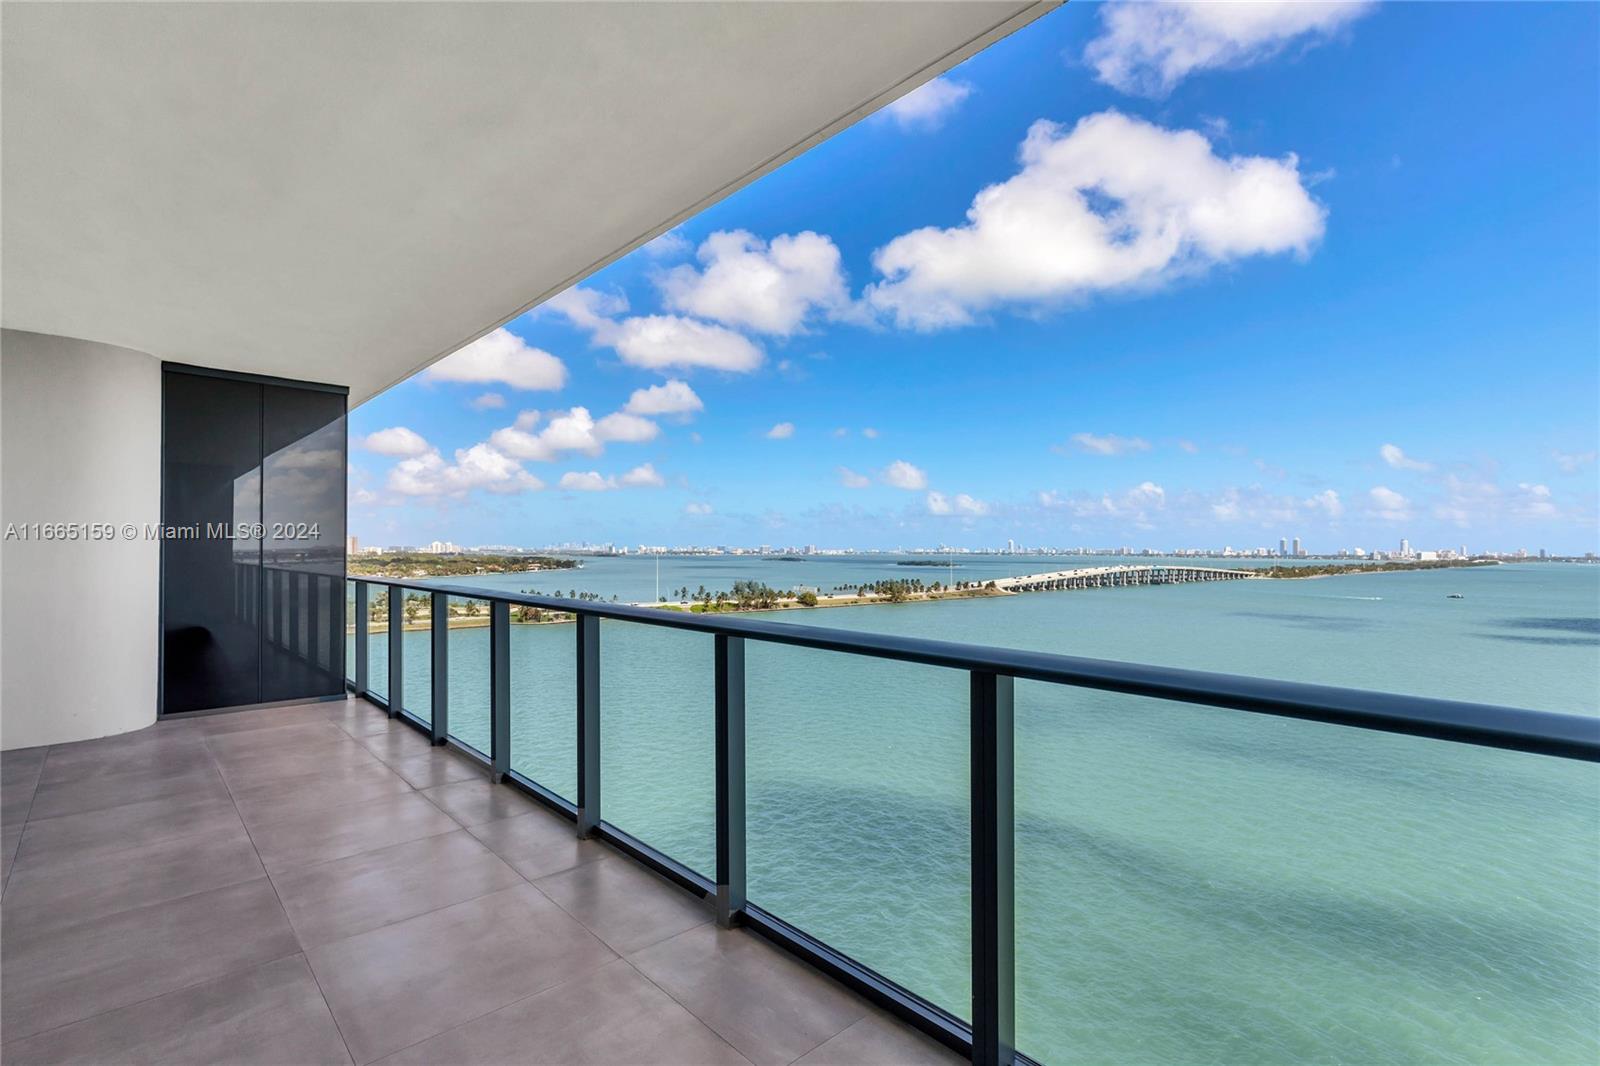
[(478, 467), (1400, 461), (959, 504), (1110, 444), (640, 477), (667, 246), (902, 475), (781, 431), (1114, 203), (673, 398), (749, 283), (643, 477), (504, 357), (870, 433), (661, 342), (926, 107), (1147, 48), (396, 440), (1135, 506), (586, 481), (697, 509), (587, 308), (1327, 502), (1389, 504), (1533, 501), (852, 480), (569, 431), (489, 401)]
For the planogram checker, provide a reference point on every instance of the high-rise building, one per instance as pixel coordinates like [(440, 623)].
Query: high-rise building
[(1405, 548), (1283, 546), (1297, 547), (351, 545)]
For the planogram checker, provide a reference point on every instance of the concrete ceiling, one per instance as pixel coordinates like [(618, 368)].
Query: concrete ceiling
[(347, 192)]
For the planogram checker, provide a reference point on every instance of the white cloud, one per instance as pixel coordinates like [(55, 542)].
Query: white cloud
[(697, 508), (852, 480), (751, 284), (1327, 501), (587, 308), (396, 440), (1110, 444), (1148, 48), (570, 431), (489, 401), (501, 356), (673, 398), (781, 431), (642, 477), (1400, 461), (667, 246), (841, 432), (1135, 505), (658, 342), (1533, 501), (959, 504), (478, 467), (587, 481), (1389, 504), (1114, 203), (870, 433), (1571, 463), (1188, 446), (902, 475), (926, 107)]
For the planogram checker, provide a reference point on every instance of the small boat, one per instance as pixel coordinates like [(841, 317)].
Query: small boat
[(1456, 596)]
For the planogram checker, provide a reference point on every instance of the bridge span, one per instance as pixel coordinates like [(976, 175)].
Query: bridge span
[(1094, 577)]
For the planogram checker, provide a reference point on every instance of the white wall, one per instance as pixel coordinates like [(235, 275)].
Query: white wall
[(80, 441)]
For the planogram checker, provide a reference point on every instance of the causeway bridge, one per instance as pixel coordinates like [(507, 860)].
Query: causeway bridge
[(1095, 577)]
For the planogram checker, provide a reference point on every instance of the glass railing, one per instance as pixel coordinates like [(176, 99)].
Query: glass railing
[(1038, 857)]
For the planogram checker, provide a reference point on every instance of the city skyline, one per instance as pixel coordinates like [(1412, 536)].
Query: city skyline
[(1339, 332)]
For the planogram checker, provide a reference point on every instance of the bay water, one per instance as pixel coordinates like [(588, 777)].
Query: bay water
[(1193, 885)]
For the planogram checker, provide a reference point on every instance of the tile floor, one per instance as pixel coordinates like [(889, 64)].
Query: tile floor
[(317, 884)]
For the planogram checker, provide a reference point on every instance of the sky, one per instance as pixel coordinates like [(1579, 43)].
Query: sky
[(1147, 275)]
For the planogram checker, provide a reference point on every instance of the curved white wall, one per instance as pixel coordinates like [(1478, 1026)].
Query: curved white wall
[(80, 441)]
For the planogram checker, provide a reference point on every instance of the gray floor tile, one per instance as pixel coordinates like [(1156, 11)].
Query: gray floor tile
[(479, 801), (19, 777), (624, 904), (133, 825), (295, 763), (879, 1040), (335, 832), (404, 983), (538, 844), (53, 977), (265, 718), (160, 744), (396, 743), (334, 900), (371, 722), (771, 1007), (339, 785), (77, 889), (269, 1015), (232, 748), (22, 761), (10, 836), (438, 767), (115, 788), (613, 1015)]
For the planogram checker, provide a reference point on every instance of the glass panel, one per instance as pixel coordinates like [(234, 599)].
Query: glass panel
[(657, 752), (378, 640), (544, 685), (350, 631), (1196, 885), (303, 512), (469, 673), (210, 590), (858, 810), (417, 652)]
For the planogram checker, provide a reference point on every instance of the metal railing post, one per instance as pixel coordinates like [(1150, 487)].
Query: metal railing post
[(730, 780), (361, 623), (499, 690), (440, 647), (588, 640), (993, 871), (397, 630)]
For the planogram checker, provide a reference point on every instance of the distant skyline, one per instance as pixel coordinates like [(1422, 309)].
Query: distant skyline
[(1136, 275)]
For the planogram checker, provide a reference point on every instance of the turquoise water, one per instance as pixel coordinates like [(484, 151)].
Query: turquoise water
[(1193, 885)]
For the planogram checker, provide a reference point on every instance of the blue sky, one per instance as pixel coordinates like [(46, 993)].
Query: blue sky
[(1290, 271)]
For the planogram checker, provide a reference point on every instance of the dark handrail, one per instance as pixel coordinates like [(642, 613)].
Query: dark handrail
[(1568, 736)]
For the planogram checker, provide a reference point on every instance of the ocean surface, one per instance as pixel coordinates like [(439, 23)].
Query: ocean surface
[(1193, 885)]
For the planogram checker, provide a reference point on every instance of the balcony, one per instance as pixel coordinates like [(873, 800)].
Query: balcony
[(322, 884)]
